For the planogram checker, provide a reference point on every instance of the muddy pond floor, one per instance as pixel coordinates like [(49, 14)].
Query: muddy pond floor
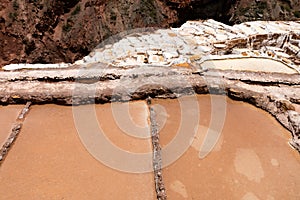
[(53, 158)]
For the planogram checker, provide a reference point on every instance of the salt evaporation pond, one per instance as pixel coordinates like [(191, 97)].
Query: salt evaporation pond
[(251, 160), (48, 160)]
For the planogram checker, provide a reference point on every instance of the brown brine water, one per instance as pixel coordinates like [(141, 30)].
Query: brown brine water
[(251, 159), (8, 116), (49, 161)]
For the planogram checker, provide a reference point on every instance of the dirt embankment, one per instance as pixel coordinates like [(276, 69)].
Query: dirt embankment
[(43, 31)]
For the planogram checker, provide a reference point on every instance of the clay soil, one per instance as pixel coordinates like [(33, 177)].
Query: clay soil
[(251, 160)]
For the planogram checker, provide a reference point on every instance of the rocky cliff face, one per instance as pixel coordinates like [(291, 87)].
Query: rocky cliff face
[(244, 10), (51, 31), (44, 31)]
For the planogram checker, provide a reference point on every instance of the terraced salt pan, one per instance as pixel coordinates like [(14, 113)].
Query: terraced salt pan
[(248, 64), (8, 116), (48, 160), (251, 160)]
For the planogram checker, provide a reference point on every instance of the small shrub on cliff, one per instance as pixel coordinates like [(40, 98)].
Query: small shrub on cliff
[(15, 5), (243, 10), (13, 16), (76, 11), (297, 14), (113, 17), (286, 7), (67, 27), (262, 5)]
